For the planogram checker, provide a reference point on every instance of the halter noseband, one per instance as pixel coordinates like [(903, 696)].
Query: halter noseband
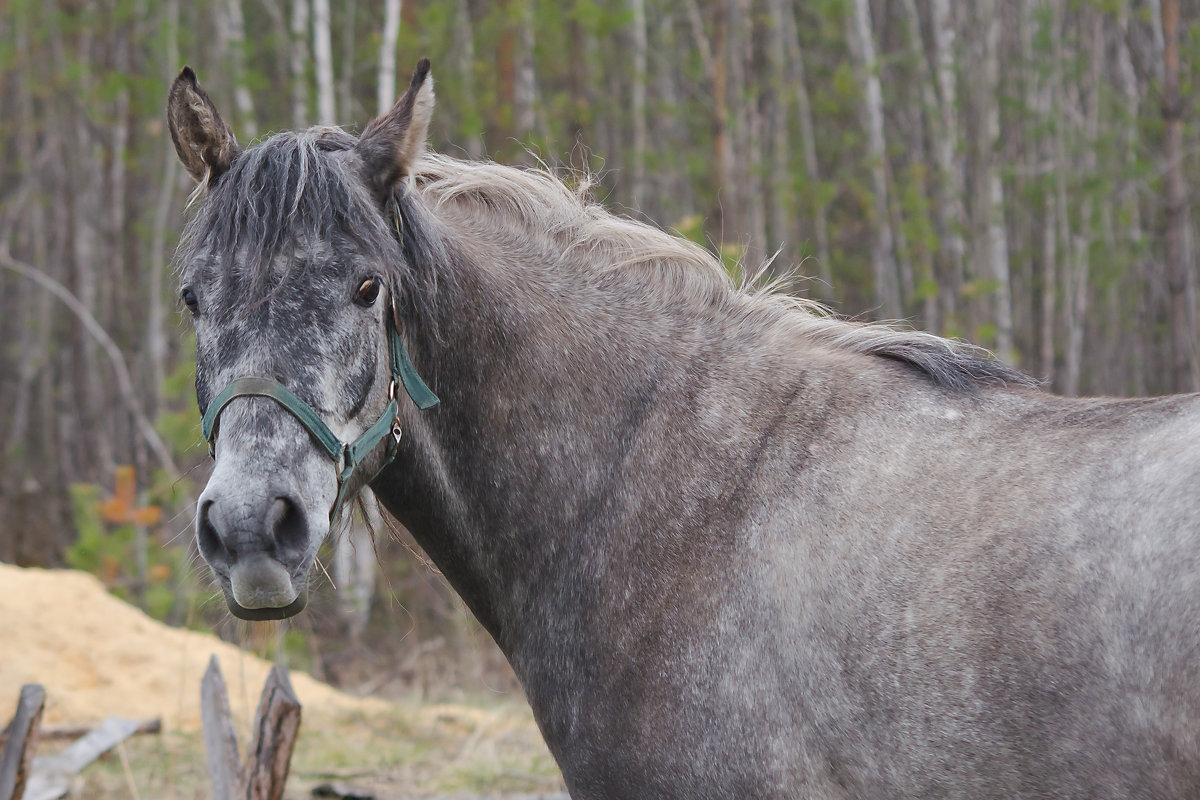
[(347, 455)]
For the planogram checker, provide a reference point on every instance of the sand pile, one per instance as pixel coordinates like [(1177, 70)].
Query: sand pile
[(98, 656)]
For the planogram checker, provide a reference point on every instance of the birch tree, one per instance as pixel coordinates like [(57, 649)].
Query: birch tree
[(386, 80), (951, 214), (995, 240), (883, 257), (298, 51), (323, 59)]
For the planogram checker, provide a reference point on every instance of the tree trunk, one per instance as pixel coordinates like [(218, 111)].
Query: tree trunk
[(298, 58), (951, 215), (344, 83), (637, 193), (779, 173), (883, 258), (323, 58), (465, 49), (991, 195), (919, 135), (231, 31), (525, 99), (808, 146), (714, 56), (1175, 207), (385, 91), (156, 301)]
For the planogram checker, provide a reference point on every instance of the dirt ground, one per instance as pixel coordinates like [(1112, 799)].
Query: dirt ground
[(98, 656)]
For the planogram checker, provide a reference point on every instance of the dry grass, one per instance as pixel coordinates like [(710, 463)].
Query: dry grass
[(414, 752)]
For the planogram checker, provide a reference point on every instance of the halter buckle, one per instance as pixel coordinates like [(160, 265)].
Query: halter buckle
[(396, 432)]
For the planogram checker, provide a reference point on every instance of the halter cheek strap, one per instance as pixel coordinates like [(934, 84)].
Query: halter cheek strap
[(346, 455)]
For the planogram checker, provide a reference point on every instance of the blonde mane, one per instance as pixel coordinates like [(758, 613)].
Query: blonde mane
[(597, 239)]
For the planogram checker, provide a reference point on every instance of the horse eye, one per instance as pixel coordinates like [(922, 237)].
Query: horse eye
[(368, 292), (189, 299)]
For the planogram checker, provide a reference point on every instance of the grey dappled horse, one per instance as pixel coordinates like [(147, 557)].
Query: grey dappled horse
[(732, 547)]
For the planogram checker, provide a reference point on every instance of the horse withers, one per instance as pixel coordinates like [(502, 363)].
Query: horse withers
[(732, 546)]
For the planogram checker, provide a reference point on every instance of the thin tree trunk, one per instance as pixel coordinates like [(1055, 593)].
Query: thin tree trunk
[(1158, 36), (1078, 285), (714, 56), (951, 215), (525, 98), (779, 173), (345, 81), (883, 258), (808, 146), (674, 199), (354, 566), (992, 186), (1133, 282), (323, 58), (637, 193), (745, 192), (1175, 207), (156, 305), (929, 109), (1049, 284), (231, 27), (386, 82), (465, 49), (298, 58)]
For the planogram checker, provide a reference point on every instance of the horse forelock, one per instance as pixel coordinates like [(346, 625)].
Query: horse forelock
[(281, 200), (593, 239)]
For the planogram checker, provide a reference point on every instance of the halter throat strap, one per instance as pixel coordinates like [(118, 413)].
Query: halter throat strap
[(346, 455)]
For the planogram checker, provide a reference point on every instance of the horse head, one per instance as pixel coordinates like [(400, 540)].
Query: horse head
[(293, 270)]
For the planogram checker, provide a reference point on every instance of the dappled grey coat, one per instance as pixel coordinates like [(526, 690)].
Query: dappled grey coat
[(732, 547)]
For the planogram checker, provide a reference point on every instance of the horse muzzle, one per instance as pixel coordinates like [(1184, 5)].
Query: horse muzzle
[(259, 552)]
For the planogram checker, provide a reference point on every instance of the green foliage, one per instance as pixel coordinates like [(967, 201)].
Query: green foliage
[(109, 553)]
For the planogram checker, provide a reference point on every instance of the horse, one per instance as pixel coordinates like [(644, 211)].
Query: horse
[(731, 545)]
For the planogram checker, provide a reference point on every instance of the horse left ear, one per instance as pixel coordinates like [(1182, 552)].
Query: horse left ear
[(391, 143)]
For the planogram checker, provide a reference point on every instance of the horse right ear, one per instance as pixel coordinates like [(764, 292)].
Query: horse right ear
[(392, 142), (205, 142)]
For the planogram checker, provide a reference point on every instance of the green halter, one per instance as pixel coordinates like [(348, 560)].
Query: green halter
[(347, 455)]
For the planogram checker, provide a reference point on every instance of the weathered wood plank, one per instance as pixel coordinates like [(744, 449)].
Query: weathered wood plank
[(276, 723), (51, 775), (22, 741), (48, 733), (220, 739)]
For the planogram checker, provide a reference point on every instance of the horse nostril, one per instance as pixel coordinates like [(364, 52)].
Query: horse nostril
[(286, 525), (209, 541)]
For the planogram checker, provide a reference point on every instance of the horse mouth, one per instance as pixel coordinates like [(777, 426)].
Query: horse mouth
[(262, 588), (266, 612)]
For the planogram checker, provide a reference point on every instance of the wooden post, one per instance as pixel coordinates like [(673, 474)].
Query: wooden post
[(276, 724), (220, 740), (22, 741)]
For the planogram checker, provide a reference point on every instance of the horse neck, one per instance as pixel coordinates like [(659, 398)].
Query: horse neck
[(549, 381)]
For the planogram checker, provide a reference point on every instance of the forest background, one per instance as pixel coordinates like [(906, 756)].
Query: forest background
[(1013, 172)]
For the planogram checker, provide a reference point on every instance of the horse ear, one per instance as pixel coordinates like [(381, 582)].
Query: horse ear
[(205, 142), (391, 143)]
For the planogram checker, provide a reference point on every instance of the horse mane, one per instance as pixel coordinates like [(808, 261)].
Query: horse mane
[(297, 186), (541, 202)]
